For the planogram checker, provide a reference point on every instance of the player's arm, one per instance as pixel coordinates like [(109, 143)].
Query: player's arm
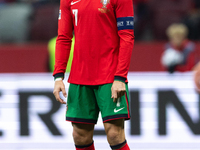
[(125, 22), (63, 46)]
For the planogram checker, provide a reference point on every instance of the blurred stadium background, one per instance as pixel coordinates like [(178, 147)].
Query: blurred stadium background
[(165, 106)]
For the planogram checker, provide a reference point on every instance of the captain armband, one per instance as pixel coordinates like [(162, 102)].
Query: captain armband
[(124, 23)]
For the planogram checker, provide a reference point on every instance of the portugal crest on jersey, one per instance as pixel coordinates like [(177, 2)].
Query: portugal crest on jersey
[(104, 8), (105, 3)]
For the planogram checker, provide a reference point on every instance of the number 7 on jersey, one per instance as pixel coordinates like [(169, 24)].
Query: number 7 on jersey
[(75, 12)]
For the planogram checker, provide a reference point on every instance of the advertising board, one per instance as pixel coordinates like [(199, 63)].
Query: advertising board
[(165, 111)]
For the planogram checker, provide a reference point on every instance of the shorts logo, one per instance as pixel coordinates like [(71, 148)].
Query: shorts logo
[(104, 8), (117, 110)]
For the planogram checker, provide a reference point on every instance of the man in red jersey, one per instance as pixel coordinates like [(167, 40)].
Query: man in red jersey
[(104, 39)]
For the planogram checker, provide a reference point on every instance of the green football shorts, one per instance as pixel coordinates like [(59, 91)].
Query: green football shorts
[(84, 103)]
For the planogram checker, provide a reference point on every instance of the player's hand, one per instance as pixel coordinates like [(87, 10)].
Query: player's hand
[(118, 89), (197, 77), (59, 86)]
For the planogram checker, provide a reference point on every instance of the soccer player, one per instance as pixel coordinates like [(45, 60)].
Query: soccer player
[(104, 39)]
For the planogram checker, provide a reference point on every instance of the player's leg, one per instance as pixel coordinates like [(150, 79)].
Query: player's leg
[(115, 134), (113, 115), (83, 136), (82, 111)]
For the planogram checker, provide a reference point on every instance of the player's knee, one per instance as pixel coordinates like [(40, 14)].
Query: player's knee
[(114, 136), (81, 138), (115, 132)]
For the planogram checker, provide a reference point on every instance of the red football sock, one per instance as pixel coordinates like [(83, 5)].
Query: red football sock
[(125, 147), (85, 147), (121, 146)]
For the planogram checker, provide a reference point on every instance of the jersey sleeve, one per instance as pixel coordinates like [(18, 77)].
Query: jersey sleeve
[(125, 23), (63, 41)]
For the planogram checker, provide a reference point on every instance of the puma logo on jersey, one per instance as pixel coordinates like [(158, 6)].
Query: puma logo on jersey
[(117, 110), (72, 3)]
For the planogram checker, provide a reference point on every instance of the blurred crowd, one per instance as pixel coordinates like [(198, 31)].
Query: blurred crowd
[(152, 18), (180, 53), (30, 1), (28, 20), (177, 21)]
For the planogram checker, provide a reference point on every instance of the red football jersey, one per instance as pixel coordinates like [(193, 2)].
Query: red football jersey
[(104, 39)]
